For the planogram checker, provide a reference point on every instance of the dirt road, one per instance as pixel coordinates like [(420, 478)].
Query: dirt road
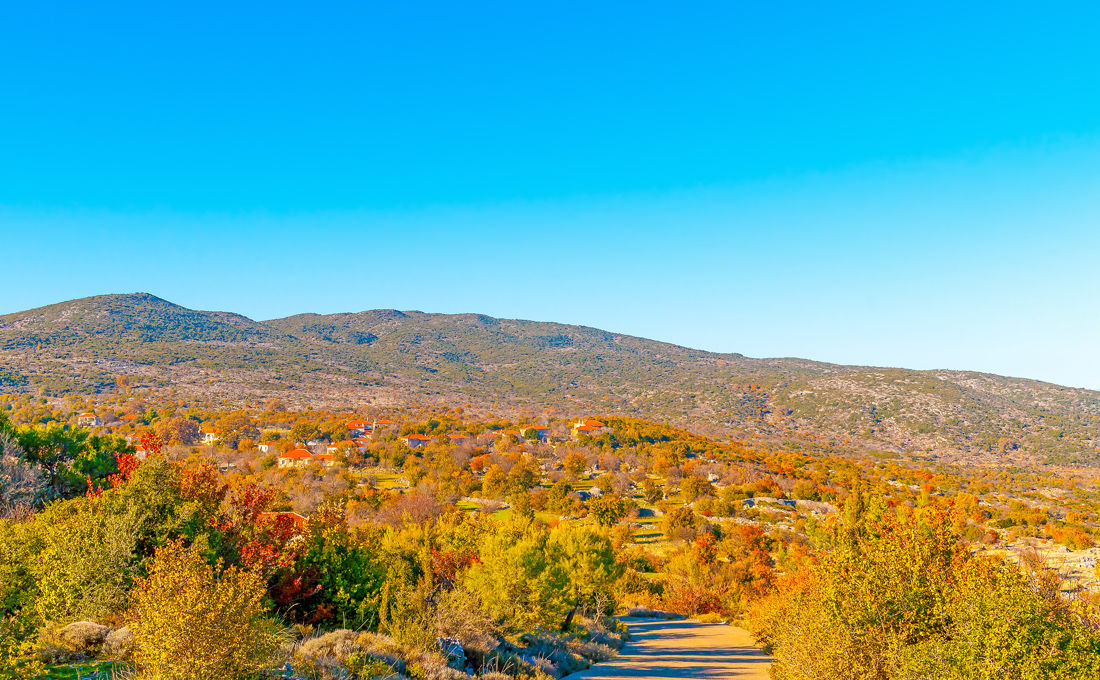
[(683, 649)]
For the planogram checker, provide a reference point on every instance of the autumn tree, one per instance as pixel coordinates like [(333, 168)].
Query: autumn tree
[(557, 499), (495, 481), (804, 489), (178, 430), (900, 597), (587, 559), (85, 559), (234, 427), (517, 579), (194, 621), (609, 509), (575, 463), (652, 491), (679, 524), (304, 432), (693, 487)]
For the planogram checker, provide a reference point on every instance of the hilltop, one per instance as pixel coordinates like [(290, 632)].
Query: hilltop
[(386, 357)]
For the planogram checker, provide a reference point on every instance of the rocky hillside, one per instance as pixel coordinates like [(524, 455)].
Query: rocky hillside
[(391, 357)]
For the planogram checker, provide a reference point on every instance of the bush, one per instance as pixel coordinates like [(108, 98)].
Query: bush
[(17, 639), (902, 599), (85, 562), (516, 580), (192, 621), (85, 637), (339, 645), (119, 645)]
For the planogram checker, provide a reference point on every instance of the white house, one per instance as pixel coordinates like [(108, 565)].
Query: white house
[(415, 441), (297, 458), (87, 420)]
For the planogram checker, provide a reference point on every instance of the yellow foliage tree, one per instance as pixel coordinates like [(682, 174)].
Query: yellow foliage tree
[(194, 621)]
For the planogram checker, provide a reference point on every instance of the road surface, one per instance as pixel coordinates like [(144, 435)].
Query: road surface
[(683, 649)]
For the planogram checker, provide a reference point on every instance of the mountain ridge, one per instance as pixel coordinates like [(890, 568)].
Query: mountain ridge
[(386, 357)]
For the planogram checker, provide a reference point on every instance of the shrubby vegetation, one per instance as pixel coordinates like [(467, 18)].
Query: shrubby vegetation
[(898, 595), (502, 554)]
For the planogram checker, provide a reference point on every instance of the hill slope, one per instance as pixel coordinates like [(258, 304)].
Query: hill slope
[(391, 357)]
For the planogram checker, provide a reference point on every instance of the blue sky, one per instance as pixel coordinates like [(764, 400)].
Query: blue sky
[(899, 186)]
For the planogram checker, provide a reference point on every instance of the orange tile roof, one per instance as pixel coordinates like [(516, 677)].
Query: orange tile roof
[(295, 517), (418, 437), (324, 456), (297, 454)]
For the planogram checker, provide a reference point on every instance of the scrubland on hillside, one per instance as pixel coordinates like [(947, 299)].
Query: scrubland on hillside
[(391, 359)]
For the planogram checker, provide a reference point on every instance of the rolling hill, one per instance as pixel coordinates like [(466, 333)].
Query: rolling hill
[(389, 357)]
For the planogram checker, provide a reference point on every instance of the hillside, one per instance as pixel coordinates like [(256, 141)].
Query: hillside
[(387, 357)]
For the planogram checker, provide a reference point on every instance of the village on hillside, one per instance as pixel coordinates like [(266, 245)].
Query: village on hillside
[(544, 443)]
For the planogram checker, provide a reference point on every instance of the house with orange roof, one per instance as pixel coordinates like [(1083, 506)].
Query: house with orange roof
[(87, 420), (540, 432), (209, 436), (326, 459), (415, 441), (299, 521), (358, 426), (589, 426), (297, 458), (458, 439)]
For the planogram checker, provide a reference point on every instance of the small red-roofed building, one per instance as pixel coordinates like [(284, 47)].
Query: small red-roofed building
[(590, 427), (87, 420), (326, 459), (458, 439), (209, 436), (297, 458), (415, 441), (299, 521), (358, 426), (540, 432)]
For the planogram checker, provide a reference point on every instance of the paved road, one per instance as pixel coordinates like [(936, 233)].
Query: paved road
[(683, 649)]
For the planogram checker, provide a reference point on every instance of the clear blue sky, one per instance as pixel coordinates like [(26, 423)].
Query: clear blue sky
[(855, 183)]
